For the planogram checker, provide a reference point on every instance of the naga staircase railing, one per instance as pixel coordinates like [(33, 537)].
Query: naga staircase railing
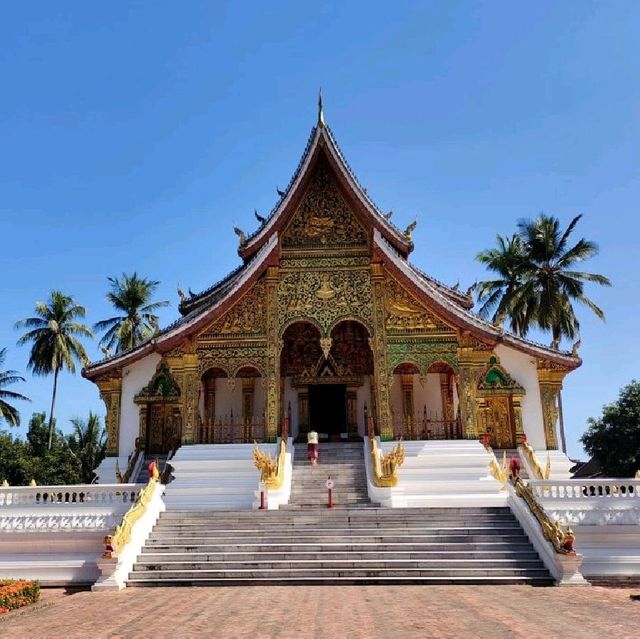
[(271, 470), (114, 544), (385, 467)]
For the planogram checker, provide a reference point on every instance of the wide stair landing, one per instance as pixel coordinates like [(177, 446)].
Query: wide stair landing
[(339, 546), (344, 463)]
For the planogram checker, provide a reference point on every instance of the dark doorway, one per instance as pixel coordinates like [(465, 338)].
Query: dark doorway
[(328, 409)]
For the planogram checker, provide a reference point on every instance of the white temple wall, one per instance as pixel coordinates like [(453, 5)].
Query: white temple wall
[(523, 369), (228, 398), (134, 379), (424, 394)]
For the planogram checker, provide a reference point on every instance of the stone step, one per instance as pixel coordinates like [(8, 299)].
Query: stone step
[(341, 564), (254, 572), (152, 556), (333, 580)]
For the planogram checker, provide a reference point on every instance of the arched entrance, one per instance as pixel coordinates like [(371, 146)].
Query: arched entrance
[(232, 408), (425, 406), (327, 380)]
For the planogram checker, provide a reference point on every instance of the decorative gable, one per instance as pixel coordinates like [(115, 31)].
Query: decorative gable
[(162, 387), (495, 378), (403, 312), (323, 218), (248, 317)]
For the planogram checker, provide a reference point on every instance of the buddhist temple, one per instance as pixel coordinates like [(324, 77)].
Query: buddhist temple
[(327, 324)]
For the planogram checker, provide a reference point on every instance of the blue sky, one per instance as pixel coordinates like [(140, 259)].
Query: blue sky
[(135, 134)]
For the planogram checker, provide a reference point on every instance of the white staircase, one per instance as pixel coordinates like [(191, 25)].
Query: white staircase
[(450, 473)]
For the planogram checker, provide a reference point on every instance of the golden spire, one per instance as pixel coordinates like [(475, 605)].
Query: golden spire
[(320, 112)]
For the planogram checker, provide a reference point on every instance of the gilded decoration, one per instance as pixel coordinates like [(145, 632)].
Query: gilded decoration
[(304, 262), (231, 358), (423, 353), (323, 217), (550, 376), (405, 314), (110, 390), (246, 318), (495, 378), (162, 387), (326, 297)]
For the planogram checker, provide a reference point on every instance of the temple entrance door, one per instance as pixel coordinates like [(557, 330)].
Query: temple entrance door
[(328, 409), (500, 423), (163, 428)]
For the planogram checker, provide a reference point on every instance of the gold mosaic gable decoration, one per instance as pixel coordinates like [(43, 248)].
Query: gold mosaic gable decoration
[(323, 218), (403, 313), (248, 317)]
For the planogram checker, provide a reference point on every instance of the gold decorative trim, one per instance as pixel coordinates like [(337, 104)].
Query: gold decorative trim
[(385, 468)]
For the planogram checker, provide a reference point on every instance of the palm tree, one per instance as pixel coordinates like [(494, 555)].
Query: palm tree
[(497, 296), (538, 286), (9, 412), (54, 334), (551, 285), (88, 444), (131, 295)]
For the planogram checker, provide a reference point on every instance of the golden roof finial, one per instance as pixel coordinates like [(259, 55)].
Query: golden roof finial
[(320, 111)]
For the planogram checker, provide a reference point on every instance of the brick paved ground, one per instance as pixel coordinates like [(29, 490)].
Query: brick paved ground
[(331, 612)]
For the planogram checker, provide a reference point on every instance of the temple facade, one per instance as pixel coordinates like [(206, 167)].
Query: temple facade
[(327, 325)]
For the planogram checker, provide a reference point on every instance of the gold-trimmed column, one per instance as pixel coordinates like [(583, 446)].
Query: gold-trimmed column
[(190, 397), (272, 409), (550, 378), (110, 392), (471, 361), (378, 343)]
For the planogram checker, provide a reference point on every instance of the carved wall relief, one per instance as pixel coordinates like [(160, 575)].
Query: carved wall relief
[(325, 297), (323, 216), (405, 314), (246, 318)]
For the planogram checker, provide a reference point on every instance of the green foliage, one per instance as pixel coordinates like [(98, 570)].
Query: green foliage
[(53, 334), (537, 284), (70, 459), (8, 412), (131, 296), (88, 443), (614, 438)]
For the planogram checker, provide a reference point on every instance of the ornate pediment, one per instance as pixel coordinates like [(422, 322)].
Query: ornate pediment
[(162, 387), (248, 317), (495, 378), (403, 312), (323, 218)]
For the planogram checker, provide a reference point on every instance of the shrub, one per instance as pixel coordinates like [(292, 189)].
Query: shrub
[(15, 593)]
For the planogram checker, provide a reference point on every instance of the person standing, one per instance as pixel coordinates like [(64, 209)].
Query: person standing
[(312, 447)]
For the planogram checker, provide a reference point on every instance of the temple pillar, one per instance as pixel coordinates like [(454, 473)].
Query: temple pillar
[(190, 393), (274, 346), (550, 382), (471, 363), (378, 343), (110, 392)]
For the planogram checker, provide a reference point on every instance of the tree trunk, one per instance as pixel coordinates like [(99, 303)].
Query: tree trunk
[(563, 439), (53, 404)]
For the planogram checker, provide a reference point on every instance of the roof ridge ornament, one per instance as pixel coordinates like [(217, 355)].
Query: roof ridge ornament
[(320, 109)]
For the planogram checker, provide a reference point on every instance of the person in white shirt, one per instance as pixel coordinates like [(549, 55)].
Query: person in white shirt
[(312, 447)]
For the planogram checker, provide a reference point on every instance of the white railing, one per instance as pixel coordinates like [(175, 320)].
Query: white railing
[(599, 489), (53, 496)]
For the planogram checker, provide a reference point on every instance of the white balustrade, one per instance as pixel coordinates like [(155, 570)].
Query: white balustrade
[(586, 489), (89, 495)]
